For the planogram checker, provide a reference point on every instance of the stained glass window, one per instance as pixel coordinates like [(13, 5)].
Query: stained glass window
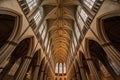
[(56, 68), (60, 68)]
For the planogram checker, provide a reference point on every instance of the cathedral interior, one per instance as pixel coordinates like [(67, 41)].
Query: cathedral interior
[(59, 39)]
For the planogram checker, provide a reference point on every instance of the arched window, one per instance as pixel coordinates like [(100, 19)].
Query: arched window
[(83, 15), (81, 23), (64, 68), (31, 3), (60, 68), (89, 3), (37, 17), (56, 68)]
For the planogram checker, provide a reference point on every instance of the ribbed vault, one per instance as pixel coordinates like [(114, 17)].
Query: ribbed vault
[(60, 17)]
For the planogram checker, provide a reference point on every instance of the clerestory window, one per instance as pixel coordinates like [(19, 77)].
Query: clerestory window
[(31, 3), (89, 3)]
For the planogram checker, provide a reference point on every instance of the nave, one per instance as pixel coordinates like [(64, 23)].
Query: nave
[(59, 40)]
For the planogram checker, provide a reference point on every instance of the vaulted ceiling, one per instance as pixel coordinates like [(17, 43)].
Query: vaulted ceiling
[(60, 17)]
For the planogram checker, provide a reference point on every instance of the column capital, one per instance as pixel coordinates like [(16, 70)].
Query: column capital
[(106, 44)]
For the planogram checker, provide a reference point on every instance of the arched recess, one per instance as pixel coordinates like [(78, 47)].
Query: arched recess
[(15, 61), (32, 72), (10, 26), (108, 30), (104, 66)]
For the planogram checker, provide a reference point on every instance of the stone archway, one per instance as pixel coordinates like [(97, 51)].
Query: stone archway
[(111, 27), (101, 60), (10, 27), (16, 59), (108, 31), (7, 24)]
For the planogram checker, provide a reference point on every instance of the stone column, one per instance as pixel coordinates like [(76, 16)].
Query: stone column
[(6, 70), (21, 72), (74, 78), (93, 71), (6, 52), (41, 75), (78, 75), (45, 76), (35, 75), (83, 74), (74, 75)]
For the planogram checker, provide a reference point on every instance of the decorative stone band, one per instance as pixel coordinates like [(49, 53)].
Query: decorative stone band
[(28, 57)]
